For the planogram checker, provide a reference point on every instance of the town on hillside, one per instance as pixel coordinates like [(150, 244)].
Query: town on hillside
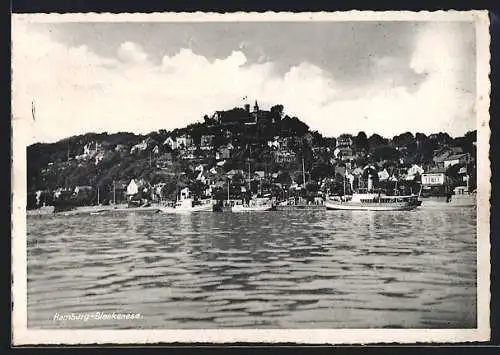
[(239, 153)]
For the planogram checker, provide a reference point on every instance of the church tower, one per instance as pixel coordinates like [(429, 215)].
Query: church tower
[(256, 107)]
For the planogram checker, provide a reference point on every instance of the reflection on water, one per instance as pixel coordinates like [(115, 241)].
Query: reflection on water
[(296, 269)]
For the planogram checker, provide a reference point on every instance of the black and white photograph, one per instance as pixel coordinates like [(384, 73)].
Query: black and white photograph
[(275, 177)]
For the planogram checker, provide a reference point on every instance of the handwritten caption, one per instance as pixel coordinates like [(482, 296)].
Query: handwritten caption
[(85, 317)]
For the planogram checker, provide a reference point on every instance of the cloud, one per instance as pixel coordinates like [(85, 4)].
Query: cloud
[(130, 52), (78, 91)]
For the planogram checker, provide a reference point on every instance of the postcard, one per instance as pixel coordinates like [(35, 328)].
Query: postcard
[(309, 178)]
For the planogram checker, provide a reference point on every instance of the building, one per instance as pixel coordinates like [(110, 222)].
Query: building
[(183, 141), (434, 177), (132, 188), (273, 144), (223, 153), (207, 141), (455, 159), (415, 169), (344, 140), (383, 175), (171, 143), (284, 156), (82, 190), (346, 153)]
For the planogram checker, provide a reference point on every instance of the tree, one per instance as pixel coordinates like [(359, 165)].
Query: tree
[(284, 178), (292, 126), (403, 140), (385, 153), (376, 141), (361, 141)]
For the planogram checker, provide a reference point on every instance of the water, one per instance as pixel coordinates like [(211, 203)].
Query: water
[(293, 269)]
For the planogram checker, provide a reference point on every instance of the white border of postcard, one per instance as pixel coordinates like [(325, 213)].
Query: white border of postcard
[(24, 336)]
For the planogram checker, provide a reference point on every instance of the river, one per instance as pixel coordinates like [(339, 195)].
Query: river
[(293, 269)]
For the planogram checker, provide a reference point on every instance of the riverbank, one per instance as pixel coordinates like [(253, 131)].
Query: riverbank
[(93, 210)]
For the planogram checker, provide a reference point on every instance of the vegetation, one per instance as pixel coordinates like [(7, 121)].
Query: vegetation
[(110, 161)]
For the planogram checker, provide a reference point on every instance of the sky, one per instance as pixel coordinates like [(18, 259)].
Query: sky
[(338, 77)]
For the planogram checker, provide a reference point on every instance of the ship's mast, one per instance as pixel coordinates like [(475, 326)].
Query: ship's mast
[(303, 173), (249, 186)]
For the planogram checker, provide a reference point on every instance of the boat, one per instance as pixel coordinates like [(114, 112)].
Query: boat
[(370, 200), (253, 206), (373, 202), (461, 197), (291, 204), (44, 210), (188, 205)]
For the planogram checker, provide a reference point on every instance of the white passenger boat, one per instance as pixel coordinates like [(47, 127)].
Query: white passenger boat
[(188, 205), (373, 202), (462, 197)]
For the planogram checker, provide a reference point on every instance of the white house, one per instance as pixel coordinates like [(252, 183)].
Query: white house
[(171, 143), (435, 177), (132, 188), (336, 152), (185, 193), (140, 147), (455, 159), (183, 141), (414, 170), (273, 144), (383, 175)]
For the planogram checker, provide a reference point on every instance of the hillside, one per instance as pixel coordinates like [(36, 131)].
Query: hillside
[(227, 144)]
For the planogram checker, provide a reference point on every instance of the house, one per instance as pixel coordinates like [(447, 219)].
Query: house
[(132, 188), (172, 143), (206, 142), (340, 170), (231, 173), (184, 141), (187, 154), (284, 156), (91, 149), (164, 160), (309, 138), (434, 177), (357, 172), (141, 146), (259, 174), (383, 175), (347, 154), (455, 159), (283, 142), (273, 144), (414, 170), (120, 148), (99, 157), (223, 152), (185, 193), (344, 140), (82, 190)]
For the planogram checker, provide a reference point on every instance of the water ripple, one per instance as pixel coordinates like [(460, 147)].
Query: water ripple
[(290, 269)]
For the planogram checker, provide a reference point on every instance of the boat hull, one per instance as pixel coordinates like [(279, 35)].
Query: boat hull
[(348, 206), (202, 208), (238, 208)]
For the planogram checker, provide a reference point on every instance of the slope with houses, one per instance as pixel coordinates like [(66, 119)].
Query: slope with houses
[(238, 153)]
